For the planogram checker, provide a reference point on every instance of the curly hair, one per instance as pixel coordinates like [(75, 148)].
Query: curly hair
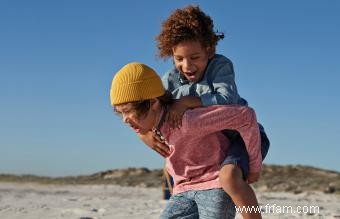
[(187, 24)]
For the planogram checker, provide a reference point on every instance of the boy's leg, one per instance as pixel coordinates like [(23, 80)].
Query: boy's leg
[(214, 203), (242, 194), (180, 206), (233, 174)]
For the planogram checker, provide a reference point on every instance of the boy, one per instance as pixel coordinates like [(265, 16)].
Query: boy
[(203, 78)]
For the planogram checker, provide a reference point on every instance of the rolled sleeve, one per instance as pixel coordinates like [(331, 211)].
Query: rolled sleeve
[(208, 99)]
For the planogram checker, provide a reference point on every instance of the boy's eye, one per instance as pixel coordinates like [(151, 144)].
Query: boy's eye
[(195, 57), (178, 59)]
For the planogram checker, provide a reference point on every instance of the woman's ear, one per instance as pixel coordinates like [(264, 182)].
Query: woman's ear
[(154, 104)]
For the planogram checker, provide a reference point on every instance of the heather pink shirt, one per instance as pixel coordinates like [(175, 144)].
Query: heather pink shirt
[(198, 147)]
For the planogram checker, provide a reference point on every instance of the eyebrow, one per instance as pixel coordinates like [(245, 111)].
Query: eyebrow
[(121, 110), (124, 110), (193, 54)]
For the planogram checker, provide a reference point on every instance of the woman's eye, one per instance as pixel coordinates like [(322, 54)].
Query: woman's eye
[(117, 113)]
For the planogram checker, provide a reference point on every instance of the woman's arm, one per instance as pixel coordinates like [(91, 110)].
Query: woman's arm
[(219, 117)]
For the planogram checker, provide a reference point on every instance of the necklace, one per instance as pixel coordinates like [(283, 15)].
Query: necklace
[(156, 129)]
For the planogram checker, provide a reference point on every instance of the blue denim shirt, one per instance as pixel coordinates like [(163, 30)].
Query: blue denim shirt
[(217, 87)]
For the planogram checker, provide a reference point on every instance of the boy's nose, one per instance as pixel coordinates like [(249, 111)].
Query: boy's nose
[(187, 66)]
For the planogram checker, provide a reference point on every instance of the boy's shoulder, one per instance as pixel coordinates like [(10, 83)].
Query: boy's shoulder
[(220, 59), (217, 66)]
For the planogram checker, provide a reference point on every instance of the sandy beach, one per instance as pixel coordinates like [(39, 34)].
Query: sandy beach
[(35, 201)]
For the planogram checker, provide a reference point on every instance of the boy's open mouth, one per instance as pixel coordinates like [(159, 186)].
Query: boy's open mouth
[(190, 76)]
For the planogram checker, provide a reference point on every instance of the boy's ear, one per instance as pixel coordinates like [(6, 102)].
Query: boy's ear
[(211, 51)]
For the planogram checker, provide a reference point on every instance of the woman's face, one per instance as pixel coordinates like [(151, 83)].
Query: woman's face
[(139, 123), (191, 59)]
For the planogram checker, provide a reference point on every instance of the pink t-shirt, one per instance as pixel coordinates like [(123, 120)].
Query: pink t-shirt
[(198, 147)]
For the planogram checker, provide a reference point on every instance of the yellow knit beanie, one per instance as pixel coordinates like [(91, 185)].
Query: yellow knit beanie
[(135, 82)]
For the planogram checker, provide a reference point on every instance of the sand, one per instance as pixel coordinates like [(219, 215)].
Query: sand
[(35, 201)]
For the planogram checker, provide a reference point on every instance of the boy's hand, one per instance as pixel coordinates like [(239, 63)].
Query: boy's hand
[(177, 109), (253, 177), (175, 114), (156, 144)]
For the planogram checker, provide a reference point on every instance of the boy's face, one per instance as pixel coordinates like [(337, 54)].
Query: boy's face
[(191, 59)]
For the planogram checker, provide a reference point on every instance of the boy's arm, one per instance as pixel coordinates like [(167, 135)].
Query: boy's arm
[(221, 81), (178, 107), (222, 90)]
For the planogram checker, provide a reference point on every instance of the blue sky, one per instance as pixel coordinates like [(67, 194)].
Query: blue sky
[(57, 60)]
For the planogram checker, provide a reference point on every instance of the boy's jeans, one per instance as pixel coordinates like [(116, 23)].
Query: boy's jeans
[(205, 204)]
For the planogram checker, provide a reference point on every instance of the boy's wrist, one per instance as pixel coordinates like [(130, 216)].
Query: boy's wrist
[(191, 101)]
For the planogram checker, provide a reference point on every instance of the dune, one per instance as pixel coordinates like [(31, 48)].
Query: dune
[(32, 201), (283, 192)]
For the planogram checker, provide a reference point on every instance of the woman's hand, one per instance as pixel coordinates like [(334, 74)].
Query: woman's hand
[(155, 143)]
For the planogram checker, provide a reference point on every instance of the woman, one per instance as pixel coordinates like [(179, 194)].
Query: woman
[(197, 148)]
